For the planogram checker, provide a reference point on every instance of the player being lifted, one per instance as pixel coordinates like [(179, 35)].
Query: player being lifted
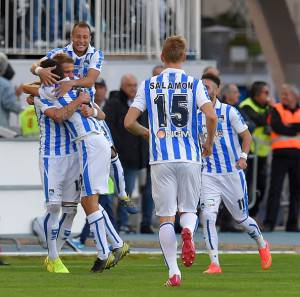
[(223, 178), (172, 99), (88, 64)]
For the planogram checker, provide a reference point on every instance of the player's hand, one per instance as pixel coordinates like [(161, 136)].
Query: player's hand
[(206, 149), (47, 77), (241, 164), (86, 111), (30, 100), (146, 135), (63, 88), (84, 98)]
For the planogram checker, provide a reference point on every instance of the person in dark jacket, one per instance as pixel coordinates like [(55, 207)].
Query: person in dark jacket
[(130, 148)]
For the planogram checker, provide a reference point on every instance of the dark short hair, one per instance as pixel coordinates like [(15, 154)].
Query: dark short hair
[(256, 88), (81, 25), (51, 63), (212, 77)]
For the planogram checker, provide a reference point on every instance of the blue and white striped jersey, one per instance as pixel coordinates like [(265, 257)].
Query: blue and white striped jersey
[(226, 147), (93, 59), (55, 139), (172, 99), (77, 125)]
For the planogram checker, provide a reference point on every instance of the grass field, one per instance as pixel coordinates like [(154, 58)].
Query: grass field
[(143, 275)]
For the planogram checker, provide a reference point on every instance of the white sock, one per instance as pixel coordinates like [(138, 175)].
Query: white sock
[(114, 238), (65, 225), (210, 235), (51, 227), (97, 226), (168, 244), (117, 173), (253, 230), (189, 220)]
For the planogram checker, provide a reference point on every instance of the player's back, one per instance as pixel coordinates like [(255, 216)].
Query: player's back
[(171, 99), (226, 147)]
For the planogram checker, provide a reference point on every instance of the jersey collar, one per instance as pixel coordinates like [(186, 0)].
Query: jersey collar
[(218, 104), (89, 50), (169, 70)]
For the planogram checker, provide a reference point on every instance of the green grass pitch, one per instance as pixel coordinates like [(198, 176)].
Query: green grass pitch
[(144, 275)]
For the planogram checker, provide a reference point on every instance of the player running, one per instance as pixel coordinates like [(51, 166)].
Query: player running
[(223, 178), (172, 99)]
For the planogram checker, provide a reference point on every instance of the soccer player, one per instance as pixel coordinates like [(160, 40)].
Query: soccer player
[(172, 99), (223, 177), (120, 249), (94, 158), (88, 64)]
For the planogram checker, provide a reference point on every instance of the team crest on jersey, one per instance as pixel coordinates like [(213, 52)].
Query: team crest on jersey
[(220, 118)]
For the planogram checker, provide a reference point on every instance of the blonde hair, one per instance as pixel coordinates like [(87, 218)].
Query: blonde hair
[(174, 49)]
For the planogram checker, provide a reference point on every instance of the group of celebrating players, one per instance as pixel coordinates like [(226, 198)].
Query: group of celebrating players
[(187, 123)]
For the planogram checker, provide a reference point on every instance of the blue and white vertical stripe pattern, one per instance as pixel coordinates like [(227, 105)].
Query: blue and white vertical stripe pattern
[(106, 132), (78, 125), (172, 142), (55, 138), (226, 147), (92, 59)]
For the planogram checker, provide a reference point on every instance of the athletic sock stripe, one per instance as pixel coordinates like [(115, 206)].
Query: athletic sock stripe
[(209, 236), (110, 231)]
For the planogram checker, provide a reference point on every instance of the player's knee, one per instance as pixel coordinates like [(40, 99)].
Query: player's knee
[(53, 208)]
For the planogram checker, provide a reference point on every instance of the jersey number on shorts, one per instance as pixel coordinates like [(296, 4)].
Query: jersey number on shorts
[(179, 112), (241, 203)]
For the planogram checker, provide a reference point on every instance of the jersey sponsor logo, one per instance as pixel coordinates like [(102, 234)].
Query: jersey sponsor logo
[(219, 133), (177, 133)]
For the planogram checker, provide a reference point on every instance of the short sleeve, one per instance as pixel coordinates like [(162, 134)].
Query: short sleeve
[(54, 52), (43, 104), (237, 121), (97, 61), (201, 94), (140, 99)]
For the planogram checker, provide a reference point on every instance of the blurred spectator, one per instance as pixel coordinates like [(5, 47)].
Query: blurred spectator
[(101, 90), (157, 70), (256, 107), (285, 136), (130, 148), (230, 95), (28, 122), (8, 99), (211, 70)]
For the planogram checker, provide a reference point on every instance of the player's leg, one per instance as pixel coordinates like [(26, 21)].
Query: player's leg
[(235, 198), (120, 248), (189, 185), (71, 198), (117, 173), (94, 168), (52, 177), (210, 201), (164, 189)]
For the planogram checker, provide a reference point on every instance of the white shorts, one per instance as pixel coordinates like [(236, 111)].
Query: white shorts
[(60, 178), (230, 188), (175, 187), (94, 156)]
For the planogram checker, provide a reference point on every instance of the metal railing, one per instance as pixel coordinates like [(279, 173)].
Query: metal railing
[(121, 27)]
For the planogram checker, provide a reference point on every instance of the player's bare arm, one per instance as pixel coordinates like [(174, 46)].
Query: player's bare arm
[(94, 111), (211, 123), (86, 82), (61, 114), (31, 88), (246, 141), (45, 74), (133, 126)]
